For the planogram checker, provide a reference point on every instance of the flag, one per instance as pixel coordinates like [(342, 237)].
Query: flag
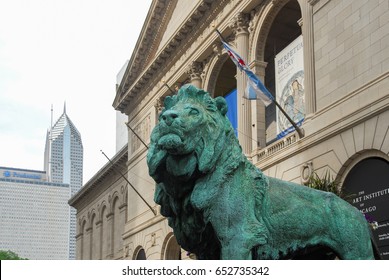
[(255, 88)]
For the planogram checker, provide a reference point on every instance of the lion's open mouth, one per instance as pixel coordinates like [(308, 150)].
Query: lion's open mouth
[(171, 142)]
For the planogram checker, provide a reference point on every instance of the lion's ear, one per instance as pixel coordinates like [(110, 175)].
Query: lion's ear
[(168, 102), (221, 105)]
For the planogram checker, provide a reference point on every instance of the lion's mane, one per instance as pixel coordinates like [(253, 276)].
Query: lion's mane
[(182, 159)]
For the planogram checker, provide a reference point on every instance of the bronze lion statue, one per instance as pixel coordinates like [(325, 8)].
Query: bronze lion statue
[(221, 206)]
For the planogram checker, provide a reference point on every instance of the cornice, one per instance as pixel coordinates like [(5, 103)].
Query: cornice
[(119, 159), (146, 44), (173, 49)]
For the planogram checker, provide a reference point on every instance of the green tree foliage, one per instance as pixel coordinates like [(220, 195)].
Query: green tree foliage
[(9, 255), (326, 183)]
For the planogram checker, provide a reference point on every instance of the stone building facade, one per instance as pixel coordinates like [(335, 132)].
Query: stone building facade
[(346, 101), (102, 211)]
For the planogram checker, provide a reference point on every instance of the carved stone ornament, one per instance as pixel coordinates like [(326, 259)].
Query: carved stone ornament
[(240, 23), (158, 104), (217, 49), (195, 70), (306, 172), (126, 251)]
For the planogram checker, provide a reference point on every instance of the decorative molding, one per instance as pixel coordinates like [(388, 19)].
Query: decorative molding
[(158, 104), (240, 24), (79, 235), (175, 50), (195, 70), (217, 50), (306, 172), (267, 14), (355, 159), (259, 67), (146, 42), (126, 251), (215, 65), (313, 2), (143, 130), (153, 239), (95, 182), (317, 4), (124, 205), (300, 22), (271, 150), (147, 224)]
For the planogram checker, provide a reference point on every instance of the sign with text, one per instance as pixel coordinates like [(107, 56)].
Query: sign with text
[(289, 68), (22, 174), (368, 185)]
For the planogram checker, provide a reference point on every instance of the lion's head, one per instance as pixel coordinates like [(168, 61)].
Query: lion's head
[(191, 134)]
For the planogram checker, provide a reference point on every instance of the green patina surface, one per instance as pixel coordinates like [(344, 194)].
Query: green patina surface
[(221, 206)]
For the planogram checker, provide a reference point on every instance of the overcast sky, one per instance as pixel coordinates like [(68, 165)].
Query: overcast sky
[(52, 51)]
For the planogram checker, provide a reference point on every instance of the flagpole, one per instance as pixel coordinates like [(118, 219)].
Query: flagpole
[(170, 89), (220, 35), (299, 130), (124, 177), (140, 139)]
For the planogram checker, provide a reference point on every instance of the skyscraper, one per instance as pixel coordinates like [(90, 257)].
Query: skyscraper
[(64, 163), (34, 215)]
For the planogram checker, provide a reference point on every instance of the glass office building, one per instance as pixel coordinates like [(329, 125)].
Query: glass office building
[(64, 163), (34, 215)]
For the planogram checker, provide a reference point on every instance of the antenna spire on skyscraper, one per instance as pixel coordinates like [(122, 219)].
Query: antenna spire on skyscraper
[(64, 107)]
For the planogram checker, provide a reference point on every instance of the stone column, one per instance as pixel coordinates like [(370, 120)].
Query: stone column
[(110, 236), (123, 220), (259, 118), (194, 71), (99, 236), (88, 244), (309, 67), (79, 245), (240, 26)]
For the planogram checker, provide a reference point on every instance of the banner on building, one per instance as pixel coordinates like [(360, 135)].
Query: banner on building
[(289, 68)]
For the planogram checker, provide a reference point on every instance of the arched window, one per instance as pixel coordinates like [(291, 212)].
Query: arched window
[(140, 254), (226, 87), (283, 32), (171, 249)]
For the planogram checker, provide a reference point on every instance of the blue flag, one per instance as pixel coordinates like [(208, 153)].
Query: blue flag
[(255, 88)]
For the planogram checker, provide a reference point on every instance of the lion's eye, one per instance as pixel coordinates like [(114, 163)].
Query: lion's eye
[(193, 111)]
